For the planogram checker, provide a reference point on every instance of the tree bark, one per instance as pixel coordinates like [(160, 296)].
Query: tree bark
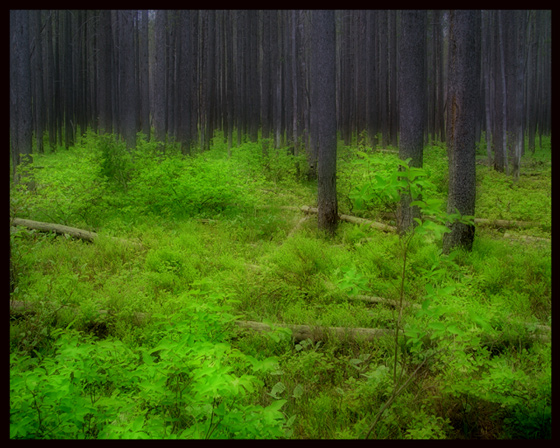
[(37, 63), (128, 88), (144, 62), (324, 109), (412, 103), (21, 115), (463, 96), (160, 106), (184, 81)]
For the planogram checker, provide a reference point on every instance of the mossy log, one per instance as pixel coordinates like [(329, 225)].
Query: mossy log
[(381, 300), (317, 333), (497, 223), (526, 238), (299, 332), (342, 217), (64, 230)]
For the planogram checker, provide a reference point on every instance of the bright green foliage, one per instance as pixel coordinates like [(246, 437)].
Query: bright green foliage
[(184, 385), (167, 361)]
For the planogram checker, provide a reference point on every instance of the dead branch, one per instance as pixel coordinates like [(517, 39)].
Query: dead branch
[(64, 230), (347, 218), (316, 333), (526, 238)]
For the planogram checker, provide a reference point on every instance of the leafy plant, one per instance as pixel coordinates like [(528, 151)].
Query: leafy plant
[(185, 385)]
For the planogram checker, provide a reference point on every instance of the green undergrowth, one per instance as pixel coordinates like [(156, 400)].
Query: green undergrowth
[(213, 245)]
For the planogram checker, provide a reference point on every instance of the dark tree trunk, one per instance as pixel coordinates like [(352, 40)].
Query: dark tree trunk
[(412, 102), (128, 87), (487, 73), (37, 64), (49, 81), (276, 84), (501, 164), (253, 76), (463, 97), (68, 90), (230, 83), (518, 131), (266, 115), (323, 104), (295, 85), (384, 77), (393, 79), (531, 82), (184, 81), (371, 78), (160, 106), (104, 70), (440, 79), (144, 62), (21, 119)]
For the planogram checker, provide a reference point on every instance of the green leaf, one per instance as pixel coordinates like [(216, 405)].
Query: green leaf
[(298, 391), (276, 405), (436, 326), (278, 388)]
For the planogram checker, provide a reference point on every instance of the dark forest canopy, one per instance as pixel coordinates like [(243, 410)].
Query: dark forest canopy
[(183, 74)]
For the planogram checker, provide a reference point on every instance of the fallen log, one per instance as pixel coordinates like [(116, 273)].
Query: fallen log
[(316, 333), (299, 332), (499, 223), (526, 238), (347, 218), (504, 223), (19, 306), (383, 301), (65, 230)]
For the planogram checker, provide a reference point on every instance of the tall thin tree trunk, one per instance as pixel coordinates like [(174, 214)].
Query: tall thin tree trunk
[(21, 115), (412, 94), (463, 98), (160, 106), (324, 108)]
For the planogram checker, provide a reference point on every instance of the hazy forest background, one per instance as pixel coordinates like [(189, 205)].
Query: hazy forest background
[(280, 224)]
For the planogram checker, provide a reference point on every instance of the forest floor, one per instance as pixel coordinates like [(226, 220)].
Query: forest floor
[(145, 332)]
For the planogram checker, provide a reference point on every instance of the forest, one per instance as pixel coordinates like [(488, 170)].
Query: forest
[(280, 224)]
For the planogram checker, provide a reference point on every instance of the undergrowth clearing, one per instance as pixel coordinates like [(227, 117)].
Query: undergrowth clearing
[(215, 246)]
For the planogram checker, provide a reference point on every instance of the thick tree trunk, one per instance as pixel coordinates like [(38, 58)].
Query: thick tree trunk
[(128, 87), (323, 105), (21, 115), (412, 107), (463, 96)]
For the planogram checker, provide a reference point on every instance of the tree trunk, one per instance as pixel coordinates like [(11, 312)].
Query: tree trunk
[(144, 62), (383, 77), (160, 106), (184, 81), (412, 107), (21, 115), (393, 80), (129, 89), (37, 63), (463, 99), (323, 105)]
